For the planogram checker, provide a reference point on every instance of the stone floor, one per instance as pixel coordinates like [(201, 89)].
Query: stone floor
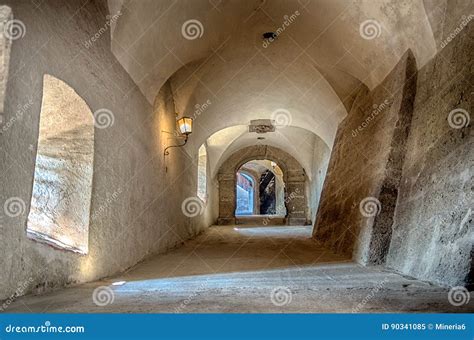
[(248, 269)]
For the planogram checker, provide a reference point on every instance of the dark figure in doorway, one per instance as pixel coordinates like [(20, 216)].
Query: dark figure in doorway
[(267, 194)]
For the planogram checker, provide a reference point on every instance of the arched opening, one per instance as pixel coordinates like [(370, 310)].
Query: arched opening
[(286, 185), (260, 189), (246, 199), (364, 105), (202, 173), (60, 204)]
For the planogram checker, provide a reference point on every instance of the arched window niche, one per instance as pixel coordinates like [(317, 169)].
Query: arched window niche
[(61, 198), (202, 173)]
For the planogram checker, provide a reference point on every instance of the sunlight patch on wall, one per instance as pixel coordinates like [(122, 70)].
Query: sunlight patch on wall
[(5, 47), (202, 173), (61, 198)]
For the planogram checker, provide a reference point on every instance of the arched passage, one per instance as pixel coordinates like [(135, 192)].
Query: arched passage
[(260, 189), (401, 146), (293, 175)]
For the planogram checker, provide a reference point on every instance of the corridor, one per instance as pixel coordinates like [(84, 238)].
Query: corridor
[(190, 156), (247, 269)]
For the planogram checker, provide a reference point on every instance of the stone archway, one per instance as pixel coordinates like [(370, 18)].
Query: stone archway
[(293, 174)]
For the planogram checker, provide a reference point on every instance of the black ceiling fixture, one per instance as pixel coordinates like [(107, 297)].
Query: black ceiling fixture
[(269, 35), (260, 138)]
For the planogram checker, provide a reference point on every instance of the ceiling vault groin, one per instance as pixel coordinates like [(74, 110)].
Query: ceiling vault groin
[(324, 53)]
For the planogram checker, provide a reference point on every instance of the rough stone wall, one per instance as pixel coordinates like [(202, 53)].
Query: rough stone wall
[(360, 189), (414, 162), (433, 232), (133, 209)]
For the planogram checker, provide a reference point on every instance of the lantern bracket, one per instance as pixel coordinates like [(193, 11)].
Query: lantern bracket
[(166, 152)]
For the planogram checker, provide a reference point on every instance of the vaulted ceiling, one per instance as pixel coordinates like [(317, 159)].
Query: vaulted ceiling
[(306, 79)]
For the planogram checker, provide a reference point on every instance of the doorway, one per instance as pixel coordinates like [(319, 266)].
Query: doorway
[(260, 189)]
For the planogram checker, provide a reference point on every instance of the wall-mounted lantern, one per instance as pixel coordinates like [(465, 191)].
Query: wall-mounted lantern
[(185, 126)]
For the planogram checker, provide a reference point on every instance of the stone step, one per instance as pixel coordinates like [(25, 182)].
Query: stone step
[(260, 220)]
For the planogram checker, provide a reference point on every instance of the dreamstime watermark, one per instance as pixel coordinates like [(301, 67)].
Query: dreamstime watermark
[(20, 290), (294, 194), (46, 328), (192, 206), (459, 118), (103, 296), (14, 207), (190, 298), (377, 109), (281, 118), (370, 29), (281, 296), (464, 22), (459, 296), (106, 204), (370, 206), (103, 118), (22, 109), (192, 29), (201, 108), (109, 21), (14, 29), (374, 291), (267, 219), (288, 20)]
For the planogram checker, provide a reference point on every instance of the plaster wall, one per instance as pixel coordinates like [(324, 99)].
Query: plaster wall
[(133, 207)]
